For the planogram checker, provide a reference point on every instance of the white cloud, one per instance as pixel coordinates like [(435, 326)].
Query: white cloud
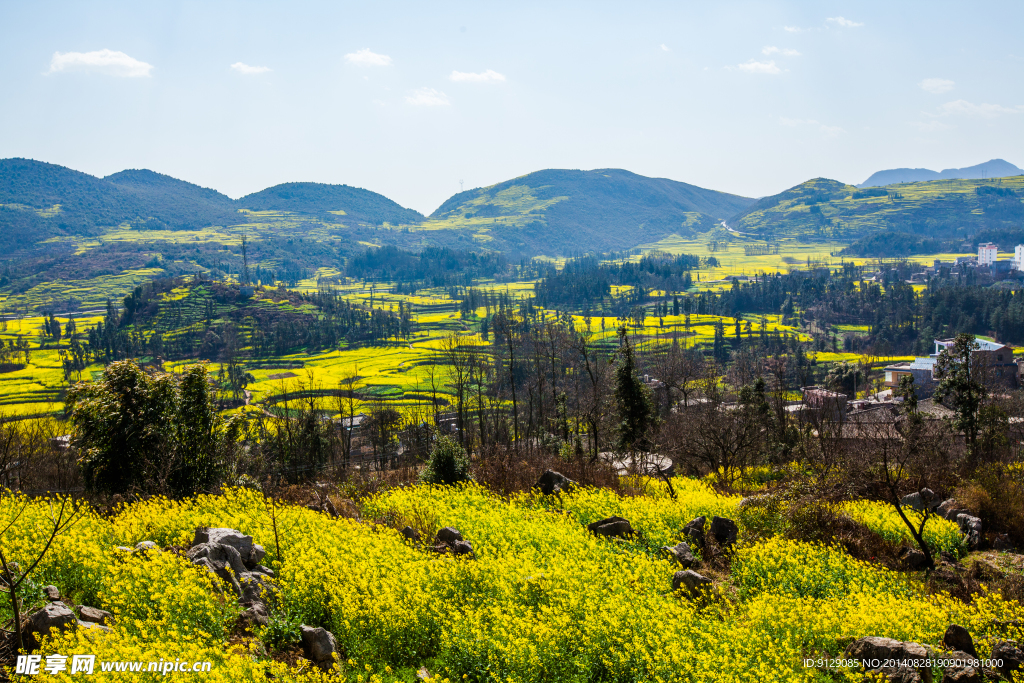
[(784, 51), (753, 67), (664, 48), (366, 58), (844, 22), (488, 76), (936, 86), (827, 131), (930, 126), (102, 61), (427, 97), (792, 29), (249, 70), (987, 111)]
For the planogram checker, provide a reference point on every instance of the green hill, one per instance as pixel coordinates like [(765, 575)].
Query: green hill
[(352, 203), (559, 212), (949, 210)]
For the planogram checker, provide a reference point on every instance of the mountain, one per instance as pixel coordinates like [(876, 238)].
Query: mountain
[(558, 212), (323, 200), (823, 209), (996, 168)]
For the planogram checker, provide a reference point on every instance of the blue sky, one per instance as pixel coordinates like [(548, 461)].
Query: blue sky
[(407, 98)]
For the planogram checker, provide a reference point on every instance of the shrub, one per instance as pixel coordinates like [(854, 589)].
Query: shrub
[(448, 463)]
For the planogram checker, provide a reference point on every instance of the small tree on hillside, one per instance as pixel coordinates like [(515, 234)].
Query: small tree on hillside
[(962, 388), (448, 463)]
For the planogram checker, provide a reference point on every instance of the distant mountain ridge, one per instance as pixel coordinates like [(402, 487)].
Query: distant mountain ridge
[(40, 200), (560, 211), (994, 168)]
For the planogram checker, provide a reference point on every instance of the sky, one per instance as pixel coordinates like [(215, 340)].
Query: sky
[(410, 99)]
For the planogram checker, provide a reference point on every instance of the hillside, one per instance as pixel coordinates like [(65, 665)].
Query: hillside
[(996, 168), (952, 210), (324, 200), (557, 212)]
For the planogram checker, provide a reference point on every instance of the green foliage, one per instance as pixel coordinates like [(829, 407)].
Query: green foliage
[(319, 198), (962, 388), (448, 463), (138, 431), (636, 411)]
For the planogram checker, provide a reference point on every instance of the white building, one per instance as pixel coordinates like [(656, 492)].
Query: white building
[(987, 254), (1018, 257)]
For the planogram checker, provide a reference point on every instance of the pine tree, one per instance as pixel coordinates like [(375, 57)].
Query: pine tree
[(633, 401)]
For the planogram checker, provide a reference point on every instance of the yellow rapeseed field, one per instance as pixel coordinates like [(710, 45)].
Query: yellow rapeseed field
[(541, 599)]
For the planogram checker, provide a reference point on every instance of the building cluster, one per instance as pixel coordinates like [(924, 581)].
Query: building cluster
[(990, 357)]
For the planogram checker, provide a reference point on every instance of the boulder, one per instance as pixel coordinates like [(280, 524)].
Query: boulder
[(1002, 542), (266, 571), (56, 615), (255, 614), (914, 501), (448, 535), (255, 555), (723, 530), (682, 554), (913, 558), (1012, 656), (970, 527), (232, 537), (93, 615), (956, 512), (967, 668), (904, 674), (552, 482), (221, 556), (694, 530), (318, 646), (462, 548), (690, 580), (254, 589), (612, 527), (874, 647), (411, 534), (146, 545), (958, 638), (945, 506), (52, 593), (92, 626)]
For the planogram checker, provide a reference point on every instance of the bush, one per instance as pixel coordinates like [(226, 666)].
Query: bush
[(448, 463)]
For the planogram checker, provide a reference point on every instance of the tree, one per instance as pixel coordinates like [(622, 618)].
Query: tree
[(142, 431), (962, 388), (633, 402), (448, 463)]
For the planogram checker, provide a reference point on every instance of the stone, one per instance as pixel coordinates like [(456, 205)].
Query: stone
[(92, 626), (264, 570), (146, 545), (232, 537), (914, 501), (329, 507), (411, 534), (612, 527), (255, 556), (52, 593), (1012, 656), (56, 615), (255, 614), (970, 527), (225, 561), (723, 530), (682, 554), (956, 512), (945, 506), (94, 615), (903, 674), (552, 482), (254, 589), (1002, 542), (694, 530), (874, 647), (691, 581), (914, 559), (966, 669), (318, 646), (958, 638), (448, 535), (462, 548)]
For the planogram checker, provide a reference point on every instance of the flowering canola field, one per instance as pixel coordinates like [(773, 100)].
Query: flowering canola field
[(542, 600)]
